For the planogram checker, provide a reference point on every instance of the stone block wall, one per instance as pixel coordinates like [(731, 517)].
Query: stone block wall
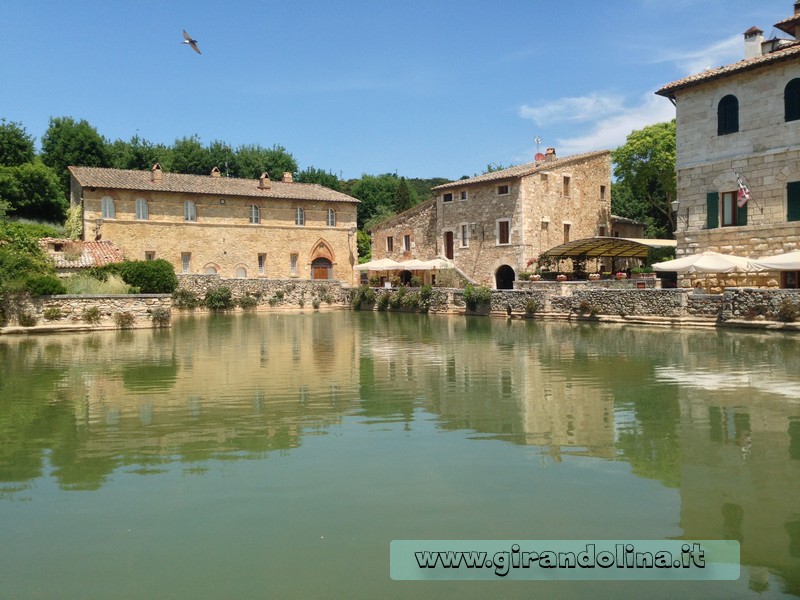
[(71, 309), (282, 292), (756, 303)]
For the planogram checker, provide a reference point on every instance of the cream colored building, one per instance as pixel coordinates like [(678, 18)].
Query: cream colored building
[(244, 228), (493, 224), (742, 118)]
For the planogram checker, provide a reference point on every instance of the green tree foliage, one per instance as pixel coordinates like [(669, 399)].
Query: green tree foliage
[(147, 276), (376, 194), (22, 261), (318, 176), (253, 160), (222, 156), (645, 170), (32, 191), (72, 143), (188, 156), (16, 146), (364, 243), (137, 154), (404, 196), (422, 187)]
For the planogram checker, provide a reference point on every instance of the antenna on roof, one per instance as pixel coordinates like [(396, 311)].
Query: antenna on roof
[(539, 156)]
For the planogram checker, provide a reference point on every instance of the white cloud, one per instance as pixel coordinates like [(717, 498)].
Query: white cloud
[(720, 53), (575, 110)]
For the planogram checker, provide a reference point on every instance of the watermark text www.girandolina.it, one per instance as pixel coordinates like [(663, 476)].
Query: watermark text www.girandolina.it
[(623, 556)]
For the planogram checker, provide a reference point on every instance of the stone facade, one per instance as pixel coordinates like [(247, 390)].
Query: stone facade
[(730, 121), (290, 293), (493, 224), (233, 227)]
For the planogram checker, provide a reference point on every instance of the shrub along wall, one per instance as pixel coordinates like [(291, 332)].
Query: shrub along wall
[(270, 292)]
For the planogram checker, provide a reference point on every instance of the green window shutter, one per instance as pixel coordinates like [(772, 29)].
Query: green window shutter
[(741, 215), (712, 210), (793, 201)]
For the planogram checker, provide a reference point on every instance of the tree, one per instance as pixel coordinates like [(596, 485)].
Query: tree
[(323, 178), (70, 143), (137, 154), (645, 172), (364, 244), (376, 194), (404, 196), (16, 146), (253, 160), (33, 191), (188, 156)]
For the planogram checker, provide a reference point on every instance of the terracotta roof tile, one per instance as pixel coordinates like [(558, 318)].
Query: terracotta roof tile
[(791, 51), (89, 253), (521, 170), (203, 184)]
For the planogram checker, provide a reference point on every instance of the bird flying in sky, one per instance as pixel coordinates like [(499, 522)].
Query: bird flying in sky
[(191, 42)]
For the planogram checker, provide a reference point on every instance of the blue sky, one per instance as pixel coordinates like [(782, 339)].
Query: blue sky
[(422, 88)]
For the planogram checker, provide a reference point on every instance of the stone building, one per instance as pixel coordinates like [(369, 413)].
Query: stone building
[(743, 120), (245, 228), (491, 225)]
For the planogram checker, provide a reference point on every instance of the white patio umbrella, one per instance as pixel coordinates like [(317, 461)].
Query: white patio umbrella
[(438, 263), (780, 262), (414, 264), (381, 264), (708, 262)]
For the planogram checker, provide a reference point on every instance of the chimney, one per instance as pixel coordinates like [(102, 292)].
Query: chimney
[(263, 182), (287, 177), (753, 38), (215, 172), (549, 154), (797, 8), (155, 172)]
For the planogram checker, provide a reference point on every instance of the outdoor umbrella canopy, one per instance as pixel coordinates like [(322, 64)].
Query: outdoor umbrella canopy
[(382, 264), (781, 262), (708, 262)]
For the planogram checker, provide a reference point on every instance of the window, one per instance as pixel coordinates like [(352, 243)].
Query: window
[(566, 232), (732, 215), (728, 115), (186, 258), (791, 100), (793, 201), (211, 270), (299, 216), (602, 192), (502, 190), (293, 264), (241, 273), (601, 231), (107, 208), (567, 181), (262, 264), (255, 213), (189, 211), (142, 211), (389, 243), (503, 231), (465, 235), (463, 195), (149, 255), (331, 218), (447, 197), (407, 243)]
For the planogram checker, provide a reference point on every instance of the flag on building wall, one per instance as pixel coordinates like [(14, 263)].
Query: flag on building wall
[(743, 196)]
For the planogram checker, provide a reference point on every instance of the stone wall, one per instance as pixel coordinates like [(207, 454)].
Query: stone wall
[(419, 223), (271, 292), (762, 304), (70, 310)]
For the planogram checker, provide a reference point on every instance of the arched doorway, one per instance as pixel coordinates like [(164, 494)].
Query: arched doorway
[(405, 277), (321, 268), (504, 278)]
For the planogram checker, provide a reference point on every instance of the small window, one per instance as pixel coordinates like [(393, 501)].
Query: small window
[(602, 192), (255, 214), (504, 231), (149, 255), (465, 235), (447, 197), (728, 115), (407, 243), (241, 273), (463, 195), (107, 208), (566, 232), (389, 243), (567, 182), (502, 190), (732, 214), (299, 216), (601, 231), (142, 210), (189, 211), (293, 264), (211, 270), (331, 218), (793, 201), (186, 258), (791, 100), (262, 264)]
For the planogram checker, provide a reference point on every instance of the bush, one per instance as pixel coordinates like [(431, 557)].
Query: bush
[(477, 296), (396, 299), (161, 317), (247, 302), (788, 311), (416, 281), (584, 307), (45, 285), (315, 303), (383, 301), (87, 284), (279, 294), (124, 320), (91, 315), (52, 313), (150, 276), (219, 298), (26, 319), (273, 301), (531, 307), (185, 299), (425, 297), (365, 295)]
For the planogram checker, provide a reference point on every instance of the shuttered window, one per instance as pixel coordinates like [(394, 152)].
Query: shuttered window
[(728, 115), (791, 100), (712, 210), (793, 201)]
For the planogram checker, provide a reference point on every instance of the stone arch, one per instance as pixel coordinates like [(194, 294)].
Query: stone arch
[(211, 268), (240, 271), (504, 277), (725, 182), (322, 249)]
